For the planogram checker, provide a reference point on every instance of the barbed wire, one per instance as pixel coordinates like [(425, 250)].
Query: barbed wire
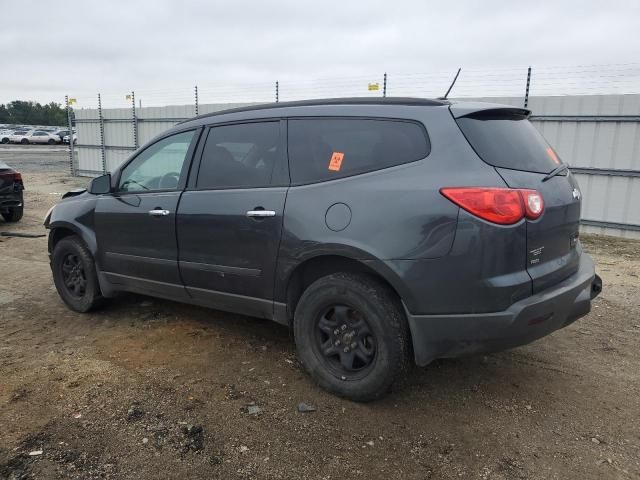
[(549, 80)]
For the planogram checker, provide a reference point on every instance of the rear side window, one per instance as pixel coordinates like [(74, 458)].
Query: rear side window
[(327, 148), (239, 156), (508, 140)]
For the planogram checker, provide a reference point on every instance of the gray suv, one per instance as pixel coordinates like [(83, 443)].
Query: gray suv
[(380, 230)]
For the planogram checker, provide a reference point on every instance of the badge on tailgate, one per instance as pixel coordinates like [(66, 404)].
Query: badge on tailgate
[(534, 255)]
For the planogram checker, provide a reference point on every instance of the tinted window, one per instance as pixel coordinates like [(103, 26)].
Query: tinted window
[(324, 149), (508, 140), (159, 166), (237, 156)]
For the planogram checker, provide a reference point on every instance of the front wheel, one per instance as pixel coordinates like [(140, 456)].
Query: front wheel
[(74, 274), (24, 141), (351, 335), (51, 141)]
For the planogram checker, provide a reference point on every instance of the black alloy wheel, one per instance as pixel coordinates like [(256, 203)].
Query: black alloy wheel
[(74, 276), (345, 341)]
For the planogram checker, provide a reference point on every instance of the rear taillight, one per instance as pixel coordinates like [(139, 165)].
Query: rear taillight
[(504, 206), (11, 176), (533, 203)]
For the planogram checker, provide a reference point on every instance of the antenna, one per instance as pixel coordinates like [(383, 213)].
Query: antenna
[(452, 84)]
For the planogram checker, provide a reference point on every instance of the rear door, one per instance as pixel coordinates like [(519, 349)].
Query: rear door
[(230, 217), (40, 137), (506, 139)]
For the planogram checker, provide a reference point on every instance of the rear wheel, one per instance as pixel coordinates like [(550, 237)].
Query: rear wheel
[(351, 335), (74, 274), (4, 140), (13, 214)]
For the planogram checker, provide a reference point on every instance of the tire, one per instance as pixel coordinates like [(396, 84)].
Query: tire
[(74, 274), (24, 141), (4, 140), (51, 141), (362, 370), (13, 214)]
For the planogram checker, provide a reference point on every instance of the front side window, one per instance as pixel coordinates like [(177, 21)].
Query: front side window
[(159, 166), (328, 148), (239, 156)]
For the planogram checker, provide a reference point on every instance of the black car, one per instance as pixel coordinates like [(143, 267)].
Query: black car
[(61, 134), (11, 197), (377, 229)]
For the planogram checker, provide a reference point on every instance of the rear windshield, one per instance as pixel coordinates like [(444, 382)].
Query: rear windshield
[(508, 140)]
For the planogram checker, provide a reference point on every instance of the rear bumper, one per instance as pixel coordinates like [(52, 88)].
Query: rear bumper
[(437, 336), (13, 199)]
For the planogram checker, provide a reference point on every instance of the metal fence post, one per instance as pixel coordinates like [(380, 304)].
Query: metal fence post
[(134, 119), (277, 91), (526, 92), (196, 92), (72, 168), (384, 85), (102, 147)]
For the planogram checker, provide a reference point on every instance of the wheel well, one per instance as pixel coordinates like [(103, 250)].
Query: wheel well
[(311, 270), (58, 234)]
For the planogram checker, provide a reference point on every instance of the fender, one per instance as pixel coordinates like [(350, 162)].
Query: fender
[(287, 265), (75, 214), (87, 235)]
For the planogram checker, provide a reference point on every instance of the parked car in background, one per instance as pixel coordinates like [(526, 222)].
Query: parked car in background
[(66, 138), (5, 136), (11, 198), (34, 136), (377, 229), (19, 136), (61, 133)]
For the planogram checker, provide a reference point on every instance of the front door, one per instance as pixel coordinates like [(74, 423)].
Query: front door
[(136, 225), (230, 218)]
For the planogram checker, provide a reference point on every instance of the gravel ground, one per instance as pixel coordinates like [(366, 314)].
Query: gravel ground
[(151, 389), (35, 158)]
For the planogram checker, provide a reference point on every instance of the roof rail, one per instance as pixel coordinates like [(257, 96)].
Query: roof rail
[(409, 101)]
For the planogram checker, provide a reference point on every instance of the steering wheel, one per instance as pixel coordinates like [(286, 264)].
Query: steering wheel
[(169, 180)]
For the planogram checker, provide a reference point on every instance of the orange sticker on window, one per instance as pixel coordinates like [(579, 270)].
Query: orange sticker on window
[(336, 161), (553, 156)]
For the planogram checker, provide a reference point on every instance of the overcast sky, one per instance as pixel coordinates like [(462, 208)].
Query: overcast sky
[(233, 49)]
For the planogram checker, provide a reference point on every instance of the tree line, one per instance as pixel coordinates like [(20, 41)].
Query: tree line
[(33, 113)]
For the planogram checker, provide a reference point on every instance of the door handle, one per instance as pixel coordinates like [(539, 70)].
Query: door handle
[(157, 212), (261, 213)]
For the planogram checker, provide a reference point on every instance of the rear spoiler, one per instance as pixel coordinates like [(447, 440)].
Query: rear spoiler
[(462, 109)]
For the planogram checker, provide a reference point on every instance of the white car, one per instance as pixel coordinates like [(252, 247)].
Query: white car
[(33, 136), (66, 138), (4, 135)]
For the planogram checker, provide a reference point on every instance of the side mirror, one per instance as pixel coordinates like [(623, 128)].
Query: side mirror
[(100, 185)]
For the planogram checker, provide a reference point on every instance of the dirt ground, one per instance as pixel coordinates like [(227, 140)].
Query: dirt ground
[(149, 389)]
